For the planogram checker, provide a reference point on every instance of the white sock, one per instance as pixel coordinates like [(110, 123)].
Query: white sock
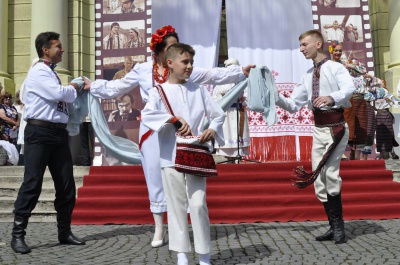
[(204, 259), (182, 258), (159, 222)]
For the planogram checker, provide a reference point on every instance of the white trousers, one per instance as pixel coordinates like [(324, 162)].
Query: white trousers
[(150, 156), (183, 190), (328, 181)]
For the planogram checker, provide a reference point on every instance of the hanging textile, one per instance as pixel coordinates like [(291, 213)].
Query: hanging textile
[(265, 32)]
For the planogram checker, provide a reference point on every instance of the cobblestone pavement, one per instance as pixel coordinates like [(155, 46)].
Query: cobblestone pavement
[(369, 242)]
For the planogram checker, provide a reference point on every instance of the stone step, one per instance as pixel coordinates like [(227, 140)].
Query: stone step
[(394, 165), (44, 204), (37, 216), (79, 171), (11, 178), (13, 192), (16, 181)]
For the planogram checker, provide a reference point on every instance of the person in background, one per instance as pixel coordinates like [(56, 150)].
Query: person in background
[(334, 32), (383, 100), (135, 40), (125, 112), (230, 126), (22, 124), (114, 40), (46, 143), (9, 118), (19, 106), (350, 33), (358, 119), (193, 106), (128, 6), (128, 64), (326, 89)]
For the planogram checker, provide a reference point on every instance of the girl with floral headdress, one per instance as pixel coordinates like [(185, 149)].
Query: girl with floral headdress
[(146, 75), (336, 51)]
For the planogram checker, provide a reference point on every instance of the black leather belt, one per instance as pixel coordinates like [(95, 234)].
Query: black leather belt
[(48, 124)]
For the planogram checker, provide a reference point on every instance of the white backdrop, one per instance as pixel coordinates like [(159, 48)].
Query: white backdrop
[(197, 23), (265, 32)]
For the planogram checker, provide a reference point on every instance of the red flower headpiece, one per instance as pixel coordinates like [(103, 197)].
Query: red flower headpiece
[(159, 35)]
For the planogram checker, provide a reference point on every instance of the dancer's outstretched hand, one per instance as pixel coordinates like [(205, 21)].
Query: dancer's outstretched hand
[(246, 69), (88, 84)]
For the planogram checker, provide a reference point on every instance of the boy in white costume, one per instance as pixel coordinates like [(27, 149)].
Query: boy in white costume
[(193, 106)]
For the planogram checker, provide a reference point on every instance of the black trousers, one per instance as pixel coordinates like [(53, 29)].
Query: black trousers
[(86, 134), (47, 147)]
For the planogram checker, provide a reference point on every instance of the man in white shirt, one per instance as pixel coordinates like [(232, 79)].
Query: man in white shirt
[(46, 143), (326, 89)]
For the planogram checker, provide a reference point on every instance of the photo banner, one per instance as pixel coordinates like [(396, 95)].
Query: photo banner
[(346, 21), (123, 30)]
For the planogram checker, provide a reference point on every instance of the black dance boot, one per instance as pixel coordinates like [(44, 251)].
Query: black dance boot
[(335, 206), (329, 234), (18, 235), (65, 235)]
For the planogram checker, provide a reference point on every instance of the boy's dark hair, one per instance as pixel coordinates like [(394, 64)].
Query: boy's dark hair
[(160, 46), (178, 48), (44, 40), (315, 34)]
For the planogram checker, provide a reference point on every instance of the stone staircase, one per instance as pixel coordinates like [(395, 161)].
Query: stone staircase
[(394, 166), (11, 178)]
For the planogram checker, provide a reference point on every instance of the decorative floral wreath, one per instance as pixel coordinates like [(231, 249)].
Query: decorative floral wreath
[(333, 46), (159, 35)]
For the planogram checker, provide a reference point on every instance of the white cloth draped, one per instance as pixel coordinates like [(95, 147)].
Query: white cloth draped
[(197, 24)]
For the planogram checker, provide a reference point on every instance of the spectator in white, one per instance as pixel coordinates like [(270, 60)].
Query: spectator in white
[(230, 126), (21, 130)]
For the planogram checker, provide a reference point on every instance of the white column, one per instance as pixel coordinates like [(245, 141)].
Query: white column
[(5, 80), (394, 33), (51, 15), (4, 38)]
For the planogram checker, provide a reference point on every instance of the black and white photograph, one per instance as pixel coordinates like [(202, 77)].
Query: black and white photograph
[(123, 34), (123, 6)]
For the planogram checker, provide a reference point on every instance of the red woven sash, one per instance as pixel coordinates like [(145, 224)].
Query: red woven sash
[(334, 119)]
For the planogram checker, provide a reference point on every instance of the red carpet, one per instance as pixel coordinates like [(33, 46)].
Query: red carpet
[(242, 193)]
